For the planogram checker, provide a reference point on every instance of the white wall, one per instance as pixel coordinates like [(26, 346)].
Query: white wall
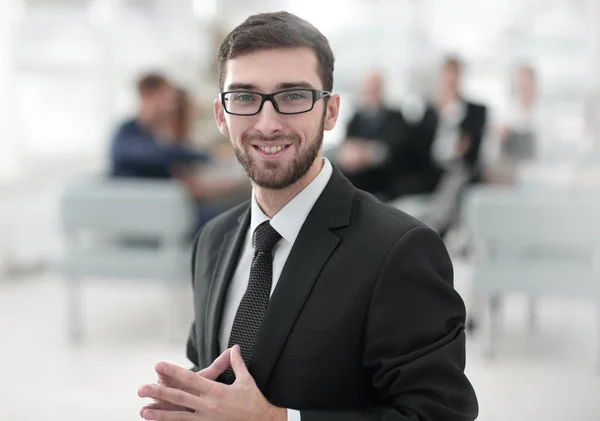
[(8, 146)]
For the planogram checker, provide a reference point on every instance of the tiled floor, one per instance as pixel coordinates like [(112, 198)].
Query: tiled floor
[(547, 377)]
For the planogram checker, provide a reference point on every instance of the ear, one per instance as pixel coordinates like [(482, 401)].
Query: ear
[(220, 117), (332, 112)]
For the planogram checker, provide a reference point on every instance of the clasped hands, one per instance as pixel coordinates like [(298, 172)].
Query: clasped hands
[(182, 395), (356, 154)]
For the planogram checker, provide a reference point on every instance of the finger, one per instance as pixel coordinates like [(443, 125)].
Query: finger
[(168, 394), (172, 382), (218, 366), (185, 379), (158, 415), (237, 363), (176, 383), (163, 406), (166, 406)]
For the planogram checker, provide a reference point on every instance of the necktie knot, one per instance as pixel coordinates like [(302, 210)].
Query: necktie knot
[(265, 237)]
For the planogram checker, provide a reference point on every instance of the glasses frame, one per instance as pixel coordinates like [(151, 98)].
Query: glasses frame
[(317, 94)]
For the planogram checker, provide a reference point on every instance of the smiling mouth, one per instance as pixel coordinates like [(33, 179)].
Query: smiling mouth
[(271, 150)]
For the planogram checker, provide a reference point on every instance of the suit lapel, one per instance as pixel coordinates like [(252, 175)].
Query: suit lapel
[(224, 270), (311, 251)]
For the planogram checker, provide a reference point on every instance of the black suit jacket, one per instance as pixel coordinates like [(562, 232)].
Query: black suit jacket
[(364, 323), (391, 131)]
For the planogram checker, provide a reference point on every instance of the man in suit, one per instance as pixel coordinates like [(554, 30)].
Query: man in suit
[(372, 154), (448, 136), (442, 153), (314, 301)]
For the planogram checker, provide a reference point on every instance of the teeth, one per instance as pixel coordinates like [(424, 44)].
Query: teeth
[(271, 149)]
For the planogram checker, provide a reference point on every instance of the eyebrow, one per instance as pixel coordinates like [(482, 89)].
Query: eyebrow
[(291, 85), (236, 86), (280, 86)]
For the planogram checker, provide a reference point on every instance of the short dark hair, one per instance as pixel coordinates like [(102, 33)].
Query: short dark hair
[(276, 30), (151, 82)]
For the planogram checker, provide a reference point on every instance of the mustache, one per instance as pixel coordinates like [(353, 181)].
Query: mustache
[(292, 137)]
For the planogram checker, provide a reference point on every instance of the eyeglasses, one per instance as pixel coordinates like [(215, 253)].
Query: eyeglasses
[(289, 101)]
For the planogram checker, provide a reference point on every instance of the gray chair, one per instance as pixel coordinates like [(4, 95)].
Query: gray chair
[(125, 230), (534, 242)]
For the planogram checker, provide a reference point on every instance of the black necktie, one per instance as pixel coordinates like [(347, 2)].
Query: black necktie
[(252, 308)]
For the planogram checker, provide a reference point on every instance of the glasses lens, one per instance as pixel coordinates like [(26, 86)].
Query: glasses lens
[(242, 102), (296, 101)]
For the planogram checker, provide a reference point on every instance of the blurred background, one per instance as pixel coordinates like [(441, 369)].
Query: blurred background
[(486, 126)]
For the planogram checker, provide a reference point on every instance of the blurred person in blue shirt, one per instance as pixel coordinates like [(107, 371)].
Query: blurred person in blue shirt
[(147, 145), (156, 145)]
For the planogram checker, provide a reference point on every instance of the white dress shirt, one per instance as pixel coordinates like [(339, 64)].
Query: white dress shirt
[(287, 222), (448, 132)]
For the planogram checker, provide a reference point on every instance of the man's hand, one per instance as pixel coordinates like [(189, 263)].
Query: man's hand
[(218, 366), (195, 396), (353, 156), (462, 146)]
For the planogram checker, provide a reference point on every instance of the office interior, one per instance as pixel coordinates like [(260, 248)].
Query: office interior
[(524, 238)]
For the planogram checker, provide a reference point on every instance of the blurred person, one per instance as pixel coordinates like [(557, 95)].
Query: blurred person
[(521, 122), (443, 149), (374, 136), (147, 146), (518, 130), (449, 134), (157, 145), (183, 116), (363, 322)]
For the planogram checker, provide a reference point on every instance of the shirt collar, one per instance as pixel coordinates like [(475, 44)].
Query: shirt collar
[(289, 220)]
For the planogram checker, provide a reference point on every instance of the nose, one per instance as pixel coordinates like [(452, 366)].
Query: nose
[(269, 120)]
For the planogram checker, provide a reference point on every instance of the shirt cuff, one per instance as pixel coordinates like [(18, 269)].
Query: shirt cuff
[(293, 415)]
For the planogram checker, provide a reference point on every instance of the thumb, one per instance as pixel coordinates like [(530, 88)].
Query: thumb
[(218, 366), (238, 365)]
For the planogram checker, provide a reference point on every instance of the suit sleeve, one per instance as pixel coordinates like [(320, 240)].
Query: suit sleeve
[(396, 139), (353, 129), (475, 128), (420, 137), (133, 148), (414, 349), (191, 351)]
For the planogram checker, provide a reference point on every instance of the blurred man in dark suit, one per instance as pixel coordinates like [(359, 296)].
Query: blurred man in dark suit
[(371, 155), (442, 155), (448, 137)]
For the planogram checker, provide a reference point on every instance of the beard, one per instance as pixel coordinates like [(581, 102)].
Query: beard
[(274, 175)]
